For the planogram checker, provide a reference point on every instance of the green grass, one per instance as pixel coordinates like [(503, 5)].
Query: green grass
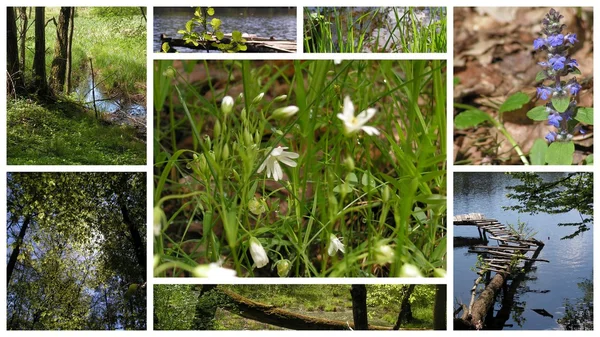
[(349, 30), (65, 134), (369, 191)]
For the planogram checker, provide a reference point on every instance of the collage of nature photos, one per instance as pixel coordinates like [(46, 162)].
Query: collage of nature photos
[(308, 191)]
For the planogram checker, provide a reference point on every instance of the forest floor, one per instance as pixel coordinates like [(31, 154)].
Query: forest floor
[(334, 302), (493, 59), (65, 134)]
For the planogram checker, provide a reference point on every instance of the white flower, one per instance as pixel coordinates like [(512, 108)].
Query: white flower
[(258, 253), (272, 162), (227, 104), (352, 123), (337, 61), (213, 270), (334, 245)]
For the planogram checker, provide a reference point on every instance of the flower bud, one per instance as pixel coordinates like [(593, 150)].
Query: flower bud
[(217, 129), (258, 98), (227, 105), (258, 253), (159, 220), (283, 268), (384, 254), (385, 194), (256, 206), (349, 163), (225, 153), (280, 98), (285, 112), (409, 270), (170, 72)]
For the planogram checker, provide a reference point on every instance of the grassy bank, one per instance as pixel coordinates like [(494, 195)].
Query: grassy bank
[(63, 134)]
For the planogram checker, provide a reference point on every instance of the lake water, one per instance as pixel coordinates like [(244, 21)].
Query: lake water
[(571, 260), (279, 23)]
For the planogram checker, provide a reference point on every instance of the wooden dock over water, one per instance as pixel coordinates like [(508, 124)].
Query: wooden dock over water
[(254, 44), (511, 254)]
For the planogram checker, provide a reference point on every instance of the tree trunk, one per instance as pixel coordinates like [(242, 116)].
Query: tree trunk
[(23, 37), (405, 314), (70, 48), (271, 315), (14, 81), (136, 239), (439, 308), (359, 306), (15, 253), (59, 64), (39, 58)]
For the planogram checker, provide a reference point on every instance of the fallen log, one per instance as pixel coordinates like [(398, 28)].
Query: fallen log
[(270, 314)]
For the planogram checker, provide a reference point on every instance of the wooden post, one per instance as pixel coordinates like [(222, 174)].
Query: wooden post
[(93, 88)]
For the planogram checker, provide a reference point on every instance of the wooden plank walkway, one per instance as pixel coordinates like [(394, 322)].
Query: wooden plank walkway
[(254, 44), (502, 258)]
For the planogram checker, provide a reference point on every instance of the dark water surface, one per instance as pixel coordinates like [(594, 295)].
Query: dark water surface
[(279, 23), (571, 260)]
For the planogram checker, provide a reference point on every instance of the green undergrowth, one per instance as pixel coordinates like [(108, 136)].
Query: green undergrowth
[(63, 133)]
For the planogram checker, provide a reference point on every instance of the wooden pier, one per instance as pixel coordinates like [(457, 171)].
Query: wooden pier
[(510, 255), (253, 43)]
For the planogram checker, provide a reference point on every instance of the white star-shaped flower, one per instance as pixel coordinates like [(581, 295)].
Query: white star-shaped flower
[(354, 123), (272, 162), (334, 245)]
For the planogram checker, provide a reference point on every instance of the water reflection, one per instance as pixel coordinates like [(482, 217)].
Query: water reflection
[(571, 260)]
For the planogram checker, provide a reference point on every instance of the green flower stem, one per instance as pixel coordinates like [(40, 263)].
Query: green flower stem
[(512, 141)]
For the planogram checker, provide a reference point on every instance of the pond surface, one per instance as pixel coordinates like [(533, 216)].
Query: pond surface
[(279, 23), (571, 260)]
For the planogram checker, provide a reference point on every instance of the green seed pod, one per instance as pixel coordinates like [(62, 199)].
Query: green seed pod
[(225, 153), (217, 129), (385, 194), (283, 268)]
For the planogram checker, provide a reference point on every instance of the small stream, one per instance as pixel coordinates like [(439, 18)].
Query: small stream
[(120, 110)]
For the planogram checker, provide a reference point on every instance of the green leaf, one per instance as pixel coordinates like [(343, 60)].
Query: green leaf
[(197, 12), (220, 35), (215, 23), (541, 76), (236, 35), (589, 160), (351, 179), (560, 153), (537, 155), (165, 47), (181, 31), (242, 47), (575, 71), (210, 11), (189, 25), (538, 113), (343, 188), (207, 37), (560, 103), (514, 102), (585, 115), (470, 118)]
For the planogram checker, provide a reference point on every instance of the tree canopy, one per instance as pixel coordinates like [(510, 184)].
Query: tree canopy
[(76, 249)]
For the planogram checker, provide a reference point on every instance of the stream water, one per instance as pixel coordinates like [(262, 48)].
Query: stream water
[(571, 260), (87, 93), (279, 23)]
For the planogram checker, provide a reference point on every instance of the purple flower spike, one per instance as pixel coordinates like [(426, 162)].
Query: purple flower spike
[(538, 43), (544, 92), (551, 136), (558, 62), (554, 120), (572, 63), (572, 38), (556, 40)]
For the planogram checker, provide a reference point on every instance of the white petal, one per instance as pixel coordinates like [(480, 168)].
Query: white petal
[(364, 116), (370, 130), (331, 250), (341, 116), (287, 161), (348, 108), (290, 155), (277, 172), (277, 151), (269, 168), (262, 166), (341, 247)]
